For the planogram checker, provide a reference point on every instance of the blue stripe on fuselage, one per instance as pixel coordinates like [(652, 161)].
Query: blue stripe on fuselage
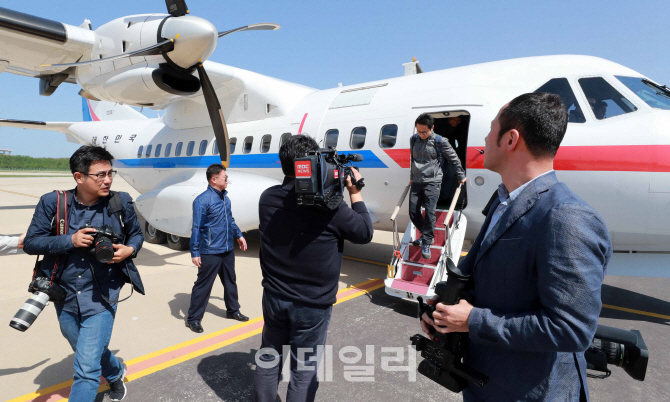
[(250, 161)]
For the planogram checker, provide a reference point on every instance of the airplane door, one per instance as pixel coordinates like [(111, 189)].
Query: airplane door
[(658, 220)]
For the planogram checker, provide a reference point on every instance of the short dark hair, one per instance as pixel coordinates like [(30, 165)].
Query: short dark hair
[(540, 118), (425, 119), (214, 169), (81, 159), (294, 147)]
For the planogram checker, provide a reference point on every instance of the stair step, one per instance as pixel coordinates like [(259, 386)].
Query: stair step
[(410, 287), (417, 274), (440, 217), (440, 236), (414, 255)]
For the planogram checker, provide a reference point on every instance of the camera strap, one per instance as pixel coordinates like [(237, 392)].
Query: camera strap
[(95, 279), (58, 227), (115, 208)]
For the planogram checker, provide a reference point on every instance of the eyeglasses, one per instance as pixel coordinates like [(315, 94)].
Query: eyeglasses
[(101, 176)]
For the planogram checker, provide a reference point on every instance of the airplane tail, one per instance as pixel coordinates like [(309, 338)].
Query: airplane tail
[(104, 111)]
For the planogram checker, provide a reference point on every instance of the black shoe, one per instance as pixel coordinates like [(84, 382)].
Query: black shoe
[(117, 389), (237, 316), (195, 326), (418, 242)]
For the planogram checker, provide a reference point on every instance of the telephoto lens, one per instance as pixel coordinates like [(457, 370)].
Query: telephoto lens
[(27, 314)]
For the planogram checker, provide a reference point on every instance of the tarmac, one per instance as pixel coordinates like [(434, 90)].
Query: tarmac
[(168, 362)]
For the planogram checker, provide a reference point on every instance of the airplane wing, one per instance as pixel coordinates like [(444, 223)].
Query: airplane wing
[(27, 41), (61, 127)]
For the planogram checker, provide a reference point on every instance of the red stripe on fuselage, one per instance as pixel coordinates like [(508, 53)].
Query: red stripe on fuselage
[(302, 123), (613, 158)]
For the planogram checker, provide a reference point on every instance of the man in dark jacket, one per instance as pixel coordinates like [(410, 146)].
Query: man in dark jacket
[(301, 257), (86, 317), (212, 248), (427, 153), (537, 267)]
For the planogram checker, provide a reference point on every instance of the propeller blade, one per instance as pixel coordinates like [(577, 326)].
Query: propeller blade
[(158, 48), (215, 115), (255, 27), (176, 8)]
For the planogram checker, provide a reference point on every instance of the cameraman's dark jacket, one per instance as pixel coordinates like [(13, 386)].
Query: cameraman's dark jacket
[(74, 273), (301, 247)]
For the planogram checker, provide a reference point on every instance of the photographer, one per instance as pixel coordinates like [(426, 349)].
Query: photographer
[(86, 317), (537, 267), (301, 256)]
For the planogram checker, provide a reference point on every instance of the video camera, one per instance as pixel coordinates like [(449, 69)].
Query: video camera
[(619, 347), (443, 353), (320, 177)]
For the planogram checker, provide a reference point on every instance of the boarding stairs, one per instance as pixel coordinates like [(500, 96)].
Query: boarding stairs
[(409, 274)]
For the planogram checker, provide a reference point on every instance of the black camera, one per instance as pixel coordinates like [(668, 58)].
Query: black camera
[(320, 177), (443, 353), (619, 347), (43, 291), (103, 238)]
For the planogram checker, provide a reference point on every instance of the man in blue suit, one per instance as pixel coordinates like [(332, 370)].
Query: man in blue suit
[(537, 267)]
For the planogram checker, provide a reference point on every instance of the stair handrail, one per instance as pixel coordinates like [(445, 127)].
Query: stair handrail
[(450, 233), (396, 237)]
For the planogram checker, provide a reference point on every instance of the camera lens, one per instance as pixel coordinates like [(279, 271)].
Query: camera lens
[(104, 251), (27, 314)]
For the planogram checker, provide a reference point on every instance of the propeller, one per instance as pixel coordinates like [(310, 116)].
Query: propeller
[(176, 8), (215, 115), (187, 41)]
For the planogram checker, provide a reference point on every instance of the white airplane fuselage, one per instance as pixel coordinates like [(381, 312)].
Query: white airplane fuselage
[(619, 165)]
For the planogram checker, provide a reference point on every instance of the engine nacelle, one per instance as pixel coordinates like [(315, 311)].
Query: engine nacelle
[(149, 86)]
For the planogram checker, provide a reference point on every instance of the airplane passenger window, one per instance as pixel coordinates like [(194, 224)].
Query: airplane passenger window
[(605, 101), (561, 87), (168, 148), (331, 138), (158, 150), (283, 138), (177, 150), (232, 142), (215, 148), (148, 154), (189, 148), (388, 136), (655, 95), (203, 147), (358, 137), (139, 151), (247, 144), (265, 143)]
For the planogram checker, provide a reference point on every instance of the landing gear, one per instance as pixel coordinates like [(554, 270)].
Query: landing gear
[(177, 242), (153, 235)]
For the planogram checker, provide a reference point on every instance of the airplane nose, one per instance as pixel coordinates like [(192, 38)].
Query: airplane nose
[(195, 39)]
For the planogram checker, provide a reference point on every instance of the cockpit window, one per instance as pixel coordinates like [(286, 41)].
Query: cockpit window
[(561, 87), (655, 95), (605, 101)]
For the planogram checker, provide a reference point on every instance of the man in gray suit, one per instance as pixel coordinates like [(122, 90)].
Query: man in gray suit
[(537, 267)]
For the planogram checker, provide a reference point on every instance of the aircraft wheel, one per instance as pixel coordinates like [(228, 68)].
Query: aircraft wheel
[(177, 242), (153, 235)]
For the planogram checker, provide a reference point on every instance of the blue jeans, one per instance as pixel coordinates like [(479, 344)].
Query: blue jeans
[(297, 325), (89, 337)]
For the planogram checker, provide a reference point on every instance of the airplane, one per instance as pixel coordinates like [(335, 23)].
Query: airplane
[(615, 154)]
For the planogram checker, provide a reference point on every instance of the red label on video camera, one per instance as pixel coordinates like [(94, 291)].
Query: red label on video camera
[(303, 169), (336, 173)]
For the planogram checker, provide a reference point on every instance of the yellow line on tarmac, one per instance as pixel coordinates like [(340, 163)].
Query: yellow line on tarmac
[(196, 353), (630, 310), (13, 192)]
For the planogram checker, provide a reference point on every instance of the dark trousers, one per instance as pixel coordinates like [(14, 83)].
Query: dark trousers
[(212, 265), (424, 195), (303, 328)]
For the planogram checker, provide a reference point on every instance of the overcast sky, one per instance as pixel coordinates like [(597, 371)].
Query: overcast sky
[(322, 43)]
